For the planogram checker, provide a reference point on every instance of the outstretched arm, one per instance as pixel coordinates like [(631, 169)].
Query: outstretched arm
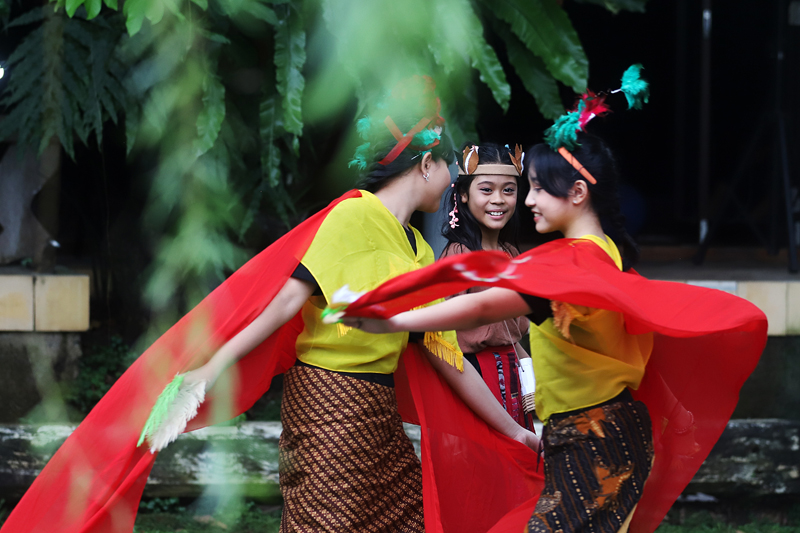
[(465, 312), (281, 309), (474, 392)]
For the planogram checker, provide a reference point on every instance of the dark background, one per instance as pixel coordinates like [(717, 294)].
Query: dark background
[(657, 148)]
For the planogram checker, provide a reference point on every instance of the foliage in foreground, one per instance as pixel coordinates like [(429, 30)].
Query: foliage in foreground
[(221, 94)]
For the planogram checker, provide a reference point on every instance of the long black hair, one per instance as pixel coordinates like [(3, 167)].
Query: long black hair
[(468, 231), (556, 176)]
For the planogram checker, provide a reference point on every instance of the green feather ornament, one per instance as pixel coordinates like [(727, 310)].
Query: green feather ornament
[(564, 132), (174, 408), (161, 408), (637, 90), (363, 127), (426, 137), (360, 157)]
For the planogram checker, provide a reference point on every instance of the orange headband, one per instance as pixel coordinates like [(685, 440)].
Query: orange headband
[(575, 163)]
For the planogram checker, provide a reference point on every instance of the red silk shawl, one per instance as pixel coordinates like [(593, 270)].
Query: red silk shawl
[(472, 475), (706, 344)]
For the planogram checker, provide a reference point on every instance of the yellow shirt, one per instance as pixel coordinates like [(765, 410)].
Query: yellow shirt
[(594, 362), (361, 244)]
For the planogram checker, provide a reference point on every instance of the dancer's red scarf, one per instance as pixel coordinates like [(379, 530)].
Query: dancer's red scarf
[(706, 344), (472, 475)]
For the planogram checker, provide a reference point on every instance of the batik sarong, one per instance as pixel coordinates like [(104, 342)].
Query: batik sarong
[(596, 463), (346, 463)]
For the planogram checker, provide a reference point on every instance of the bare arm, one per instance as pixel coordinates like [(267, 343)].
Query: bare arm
[(465, 312), (521, 353), (474, 392), (281, 309)]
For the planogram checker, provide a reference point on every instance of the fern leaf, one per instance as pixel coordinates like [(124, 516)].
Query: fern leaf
[(271, 127), (34, 15), (290, 56), (30, 46), (131, 125), (535, 77), (615, 6), (544, 27), (260, 11), (483, 57), (209, 121)]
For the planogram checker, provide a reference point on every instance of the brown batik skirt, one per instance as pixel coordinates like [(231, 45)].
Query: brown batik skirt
[(345, 462), (596, 463)]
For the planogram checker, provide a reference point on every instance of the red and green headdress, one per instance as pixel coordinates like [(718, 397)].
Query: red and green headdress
[(562, 136), (416, 95)]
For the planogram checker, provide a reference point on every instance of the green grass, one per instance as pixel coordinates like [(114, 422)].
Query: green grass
[(251, 519), (745, 519)]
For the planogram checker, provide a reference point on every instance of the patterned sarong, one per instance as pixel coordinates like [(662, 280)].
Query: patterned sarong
[(499, 368), (345, 462), (596, 463)]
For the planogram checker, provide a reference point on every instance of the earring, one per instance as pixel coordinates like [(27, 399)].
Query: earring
[(426, 176)]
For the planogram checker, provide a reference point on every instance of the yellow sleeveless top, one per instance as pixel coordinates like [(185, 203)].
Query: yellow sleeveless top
[(361, 244), (584, 356)]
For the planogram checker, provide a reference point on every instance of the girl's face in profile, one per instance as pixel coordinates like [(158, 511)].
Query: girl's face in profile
[(492, 200), (550, 213)]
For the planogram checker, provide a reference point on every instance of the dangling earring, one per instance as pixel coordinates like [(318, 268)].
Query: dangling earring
[(453, 218), (426, 176)]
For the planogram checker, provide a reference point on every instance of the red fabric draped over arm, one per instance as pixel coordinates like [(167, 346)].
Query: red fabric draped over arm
[(706, 344)]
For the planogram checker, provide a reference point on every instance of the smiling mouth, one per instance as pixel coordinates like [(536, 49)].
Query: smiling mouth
[(496, 213)]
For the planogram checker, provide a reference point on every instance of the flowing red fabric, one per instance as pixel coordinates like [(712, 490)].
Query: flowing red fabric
[(94, 482), (706, 344)]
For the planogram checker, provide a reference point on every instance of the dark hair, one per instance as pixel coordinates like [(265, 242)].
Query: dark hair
[(468, 231), (556, 176), (376, 175)]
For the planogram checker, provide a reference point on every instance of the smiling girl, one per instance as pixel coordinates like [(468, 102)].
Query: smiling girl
[(484, 217), (612, 351)]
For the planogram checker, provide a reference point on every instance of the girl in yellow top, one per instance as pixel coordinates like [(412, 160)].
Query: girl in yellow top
[(345, 461), (597, 440)]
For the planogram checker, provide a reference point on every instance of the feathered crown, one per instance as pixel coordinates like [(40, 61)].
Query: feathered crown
[(416, 95), (562, 136), (472, 165)]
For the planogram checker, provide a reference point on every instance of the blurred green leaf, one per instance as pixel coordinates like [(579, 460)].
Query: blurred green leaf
[(93, 8), (535, 77), (203, 4), (72, 6), (546, 30), (261, 12), (615, 6), (483, 57), (34, 15), (155, 11), (134, 11), (210, 119), (271, 128), (112, 4), (290, 56)]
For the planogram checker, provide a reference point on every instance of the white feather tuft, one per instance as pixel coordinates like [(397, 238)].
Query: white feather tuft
[(182, 410)]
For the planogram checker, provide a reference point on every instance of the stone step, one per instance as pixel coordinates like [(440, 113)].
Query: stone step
[(754, 457)]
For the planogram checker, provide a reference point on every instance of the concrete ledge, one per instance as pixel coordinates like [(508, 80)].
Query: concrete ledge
[(16, 303), (43, 302), (754, 457), (61, 302)]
